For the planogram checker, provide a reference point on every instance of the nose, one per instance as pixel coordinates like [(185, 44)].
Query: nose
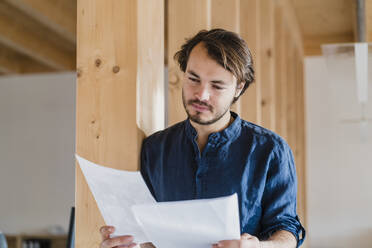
[(202, 93)]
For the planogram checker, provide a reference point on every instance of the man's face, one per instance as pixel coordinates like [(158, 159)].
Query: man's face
[(208, 89)]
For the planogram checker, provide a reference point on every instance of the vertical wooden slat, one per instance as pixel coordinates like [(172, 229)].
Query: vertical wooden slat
[(226, 15), (250, 101), (185, 19), (110, 57), (300, 140), (290, 112), (267, 76), (279, 83)]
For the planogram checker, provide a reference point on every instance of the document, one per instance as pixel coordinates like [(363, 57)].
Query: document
[(115, 192), (126, 203)]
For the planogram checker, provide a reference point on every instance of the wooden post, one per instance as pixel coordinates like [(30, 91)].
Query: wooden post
[(119, 57), (185, 19)]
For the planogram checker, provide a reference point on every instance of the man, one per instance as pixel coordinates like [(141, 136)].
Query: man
[(214, 153)]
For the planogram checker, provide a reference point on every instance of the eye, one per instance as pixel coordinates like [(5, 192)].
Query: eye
[(194, 79), (217, 87)]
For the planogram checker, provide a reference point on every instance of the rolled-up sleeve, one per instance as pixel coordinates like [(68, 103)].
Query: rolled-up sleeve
[(280, 194)]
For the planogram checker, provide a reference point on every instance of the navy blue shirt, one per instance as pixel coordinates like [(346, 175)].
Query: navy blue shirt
[(244, 158)]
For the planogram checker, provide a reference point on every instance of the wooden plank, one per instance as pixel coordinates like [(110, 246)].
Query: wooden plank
[(280, 99), (250, 101), (26, 36), (291, 18), (107, 114), (267, 53), (226, 15), (55, 14), (185, 19), (12, 62), (300, 141), (291, 79)]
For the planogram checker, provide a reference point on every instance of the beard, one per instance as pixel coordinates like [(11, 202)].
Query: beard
[(197, 116)]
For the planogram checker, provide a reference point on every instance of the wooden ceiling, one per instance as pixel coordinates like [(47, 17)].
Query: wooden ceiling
[(37, 36), (325, 21), (40, 35)]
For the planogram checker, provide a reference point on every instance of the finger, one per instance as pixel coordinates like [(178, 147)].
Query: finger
[(246, 236), (228, 243), (106, 231), (127, 246), (117, 241)]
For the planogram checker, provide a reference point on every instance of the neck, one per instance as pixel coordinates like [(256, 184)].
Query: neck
[(205, 130)]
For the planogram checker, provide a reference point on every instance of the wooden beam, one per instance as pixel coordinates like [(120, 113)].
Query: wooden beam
[(185, 19), (12, 62), (312, 45), (26, 36), (55, 14), (250, 101), (119, 57)]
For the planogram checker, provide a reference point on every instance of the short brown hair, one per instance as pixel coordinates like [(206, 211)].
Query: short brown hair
[(227, 48)]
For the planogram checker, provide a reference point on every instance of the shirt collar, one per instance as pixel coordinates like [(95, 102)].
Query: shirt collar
[(231, 132)]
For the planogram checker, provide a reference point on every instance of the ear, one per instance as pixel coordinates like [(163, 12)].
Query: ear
[(239, 88)]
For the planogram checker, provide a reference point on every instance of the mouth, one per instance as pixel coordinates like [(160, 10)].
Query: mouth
[(199, 108)]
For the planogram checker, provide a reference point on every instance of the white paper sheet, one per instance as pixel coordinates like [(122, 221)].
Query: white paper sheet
[(194, 223), (126, 203), (115, 192)]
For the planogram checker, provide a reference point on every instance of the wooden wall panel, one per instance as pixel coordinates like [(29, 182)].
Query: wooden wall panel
[(280, 99), (226, 15), (185, 19), (250, 101), (267, 74), (108, 61)]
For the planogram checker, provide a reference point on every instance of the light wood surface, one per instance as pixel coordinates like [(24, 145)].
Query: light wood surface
[(267, 74), (114, 46), (185, 19), (59, 15), (24, 35), (226, 15), (250, 101)]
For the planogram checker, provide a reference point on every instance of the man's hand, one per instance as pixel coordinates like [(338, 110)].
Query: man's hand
[(246, 241), (120, 241)]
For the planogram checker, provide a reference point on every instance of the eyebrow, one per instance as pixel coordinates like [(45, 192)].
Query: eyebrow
[(197, 76)]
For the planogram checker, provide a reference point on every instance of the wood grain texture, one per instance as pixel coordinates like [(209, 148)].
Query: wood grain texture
[(280, 84), (250, 101), (108, 109), (226, 15), (368, 5), (185, 19), (267, 75)]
